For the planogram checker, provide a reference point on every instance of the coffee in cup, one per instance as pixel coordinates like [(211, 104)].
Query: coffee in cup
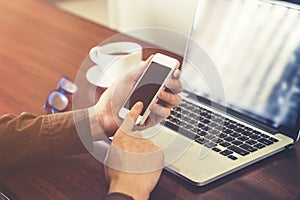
[(113, 60)]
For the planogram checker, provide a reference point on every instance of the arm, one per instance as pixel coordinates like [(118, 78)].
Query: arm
[(27, 139)]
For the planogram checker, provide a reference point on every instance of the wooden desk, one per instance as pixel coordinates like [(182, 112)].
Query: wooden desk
[(40, 43)]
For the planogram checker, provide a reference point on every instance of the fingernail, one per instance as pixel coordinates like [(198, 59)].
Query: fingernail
[(161, 94), (139, 103)]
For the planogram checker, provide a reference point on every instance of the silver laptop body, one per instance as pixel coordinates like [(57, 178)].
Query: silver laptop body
[(241, 99)]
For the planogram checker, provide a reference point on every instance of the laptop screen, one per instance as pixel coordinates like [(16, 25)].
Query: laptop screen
[(254, 47)]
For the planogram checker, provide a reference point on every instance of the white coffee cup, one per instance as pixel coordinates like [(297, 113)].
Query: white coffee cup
[(113, 60)]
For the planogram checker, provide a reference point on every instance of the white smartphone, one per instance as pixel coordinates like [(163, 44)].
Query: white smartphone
[(160, 68)]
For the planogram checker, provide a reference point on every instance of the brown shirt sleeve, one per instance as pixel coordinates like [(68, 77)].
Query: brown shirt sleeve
[(27, 139)]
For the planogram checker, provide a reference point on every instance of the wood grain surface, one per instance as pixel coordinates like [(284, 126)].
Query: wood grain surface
[(39, 43)]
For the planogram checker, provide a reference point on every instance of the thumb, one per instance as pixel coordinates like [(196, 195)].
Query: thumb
[(136, 111), (129, 122)]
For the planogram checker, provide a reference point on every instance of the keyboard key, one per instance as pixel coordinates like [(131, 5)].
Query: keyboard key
[(213, 124), (259, 145), (185, 112), (246, 133), (194, 116), (205, 121), (193, 129), (273, 139), (233, 122), (173, 118), (177, 115), (177, 122), (239, 129), (215, 133), (200, 140), (225, 144), (235, 134), (217, 118), (232, 157), (216, 149), (248, 147), (243, 138), (256, 132), (238, 150), (242, 126), (222, 135), (205, 128), (219, 140), (231, 126), (170, 117), (189, 120), (226, 130), (226, 122), (248, 129), (228, 139), (187, 126), (265, 141), (210, 137), (251, 142), (170, 125), (226, 152), (184, 124), (207, 115), (200, 125), (180, 130), (264, 136), (237, 142), (178, 108), (202, 133), (209, 144), (254, 136)]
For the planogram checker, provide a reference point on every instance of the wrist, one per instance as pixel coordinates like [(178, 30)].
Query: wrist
[(102, 124)]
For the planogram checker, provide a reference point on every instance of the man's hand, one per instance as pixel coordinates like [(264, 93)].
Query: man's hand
[(112, 99), (128, 160)]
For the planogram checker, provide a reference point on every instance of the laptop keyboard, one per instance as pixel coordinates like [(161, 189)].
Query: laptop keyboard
[(223, 135)]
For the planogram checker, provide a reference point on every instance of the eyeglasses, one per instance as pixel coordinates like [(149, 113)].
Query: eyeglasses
[(57, 100), (3, 196)]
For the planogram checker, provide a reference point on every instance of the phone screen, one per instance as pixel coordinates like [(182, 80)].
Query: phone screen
[(148, 85)]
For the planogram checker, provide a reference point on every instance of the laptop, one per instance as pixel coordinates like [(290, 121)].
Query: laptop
[(241, 99)]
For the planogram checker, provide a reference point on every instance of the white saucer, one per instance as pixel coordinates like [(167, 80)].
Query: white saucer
[(96, 77)]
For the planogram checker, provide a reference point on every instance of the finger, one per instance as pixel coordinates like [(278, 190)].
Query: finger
[(176, 74), (136, 111), (159, 110), (170, 98), (174, 85)]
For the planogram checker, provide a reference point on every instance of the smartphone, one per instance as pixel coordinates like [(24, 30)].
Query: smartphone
[(160, 68)]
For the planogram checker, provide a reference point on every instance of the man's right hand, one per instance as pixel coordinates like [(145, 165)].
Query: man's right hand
[(131, 151)]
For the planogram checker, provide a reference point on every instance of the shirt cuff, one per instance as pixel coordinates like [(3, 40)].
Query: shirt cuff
[(118, 196), (96, 130)]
